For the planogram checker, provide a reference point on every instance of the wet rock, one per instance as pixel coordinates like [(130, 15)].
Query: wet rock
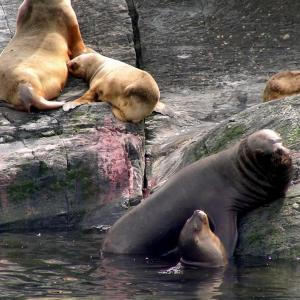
[(65, 165), (211, 59), (56, 168), (272, 231)]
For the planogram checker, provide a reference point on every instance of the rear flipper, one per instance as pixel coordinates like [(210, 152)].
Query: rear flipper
[(29, 98)]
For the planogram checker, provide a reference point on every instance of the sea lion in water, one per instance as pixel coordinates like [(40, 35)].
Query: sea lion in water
[(133, 93), (224, 185), (198, 245), (282, 84), (33, 66)]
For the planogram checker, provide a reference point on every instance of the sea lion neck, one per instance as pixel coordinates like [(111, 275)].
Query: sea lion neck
[(33, 12), (95, 66)]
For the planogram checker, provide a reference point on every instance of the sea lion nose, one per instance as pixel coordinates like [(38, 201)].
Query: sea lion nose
[(200, 213), (280, 149)]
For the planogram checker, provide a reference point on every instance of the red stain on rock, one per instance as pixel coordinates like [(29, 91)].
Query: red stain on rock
[(114, 164)]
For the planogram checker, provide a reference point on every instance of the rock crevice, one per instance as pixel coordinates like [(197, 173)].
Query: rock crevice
[(133, 13)]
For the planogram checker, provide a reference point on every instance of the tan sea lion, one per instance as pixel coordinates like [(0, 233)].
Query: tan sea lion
[(33, 66), (282, 84), (133, 93), (198, 245)]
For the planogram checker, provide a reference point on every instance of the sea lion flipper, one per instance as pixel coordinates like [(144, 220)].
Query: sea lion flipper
[(88, 97), (228, 233), (163, 109), (69, 106), (120, 115), (29, 98)]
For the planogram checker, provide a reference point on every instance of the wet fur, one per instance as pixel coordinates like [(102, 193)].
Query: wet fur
[(198, 245)]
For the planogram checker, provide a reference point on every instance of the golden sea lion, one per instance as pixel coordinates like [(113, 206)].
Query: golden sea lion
[(198, 245), (282, 84), (33, 66), (133, 93)]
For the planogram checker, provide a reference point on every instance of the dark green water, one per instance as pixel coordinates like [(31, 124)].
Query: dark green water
[(69, 266)]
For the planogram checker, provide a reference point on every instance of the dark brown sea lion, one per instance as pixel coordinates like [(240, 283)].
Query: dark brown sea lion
[(133, 93), (224, 185), (33, 66), (198, 245), (282, 84)]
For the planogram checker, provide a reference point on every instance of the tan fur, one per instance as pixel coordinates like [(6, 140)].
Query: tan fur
[(198, 245), (33, 65), (133, 93), (282, 84)]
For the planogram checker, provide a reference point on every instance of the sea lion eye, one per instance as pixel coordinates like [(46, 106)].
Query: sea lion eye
[(276, 141)]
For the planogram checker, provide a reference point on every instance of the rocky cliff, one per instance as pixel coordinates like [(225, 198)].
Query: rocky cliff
[(211, 58)]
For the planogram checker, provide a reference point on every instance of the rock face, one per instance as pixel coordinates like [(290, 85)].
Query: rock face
[(211, 60), (56, 167), (268, 231)]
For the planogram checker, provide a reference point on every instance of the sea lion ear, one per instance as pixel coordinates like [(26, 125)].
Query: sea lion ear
[(73, 66)]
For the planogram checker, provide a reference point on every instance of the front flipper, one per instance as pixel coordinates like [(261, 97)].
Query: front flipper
[(226, 230), (163, 109), (87, 97), (118, 114)]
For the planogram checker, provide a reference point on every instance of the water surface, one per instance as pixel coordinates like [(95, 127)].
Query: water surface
[(69, 266)]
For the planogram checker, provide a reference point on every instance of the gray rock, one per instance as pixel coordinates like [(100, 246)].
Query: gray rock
[(211, 60), (271, 231), (57, 168), (61, 166)]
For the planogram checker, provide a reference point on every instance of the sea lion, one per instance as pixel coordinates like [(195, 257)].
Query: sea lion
[(282, 84), (133, 93), (198, 245), (33, 66), (224, 185)]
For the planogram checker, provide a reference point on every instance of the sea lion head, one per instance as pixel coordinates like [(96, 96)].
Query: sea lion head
[(198, 245), (265, 167), (84, 65), (270, 155), (198, 221), (77, 67), (266, 141)]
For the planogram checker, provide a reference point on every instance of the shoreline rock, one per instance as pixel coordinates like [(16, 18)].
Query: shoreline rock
[(81, 169)]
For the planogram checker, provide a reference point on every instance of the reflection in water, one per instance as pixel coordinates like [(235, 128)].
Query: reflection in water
[(65, 266), (140, 278)]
